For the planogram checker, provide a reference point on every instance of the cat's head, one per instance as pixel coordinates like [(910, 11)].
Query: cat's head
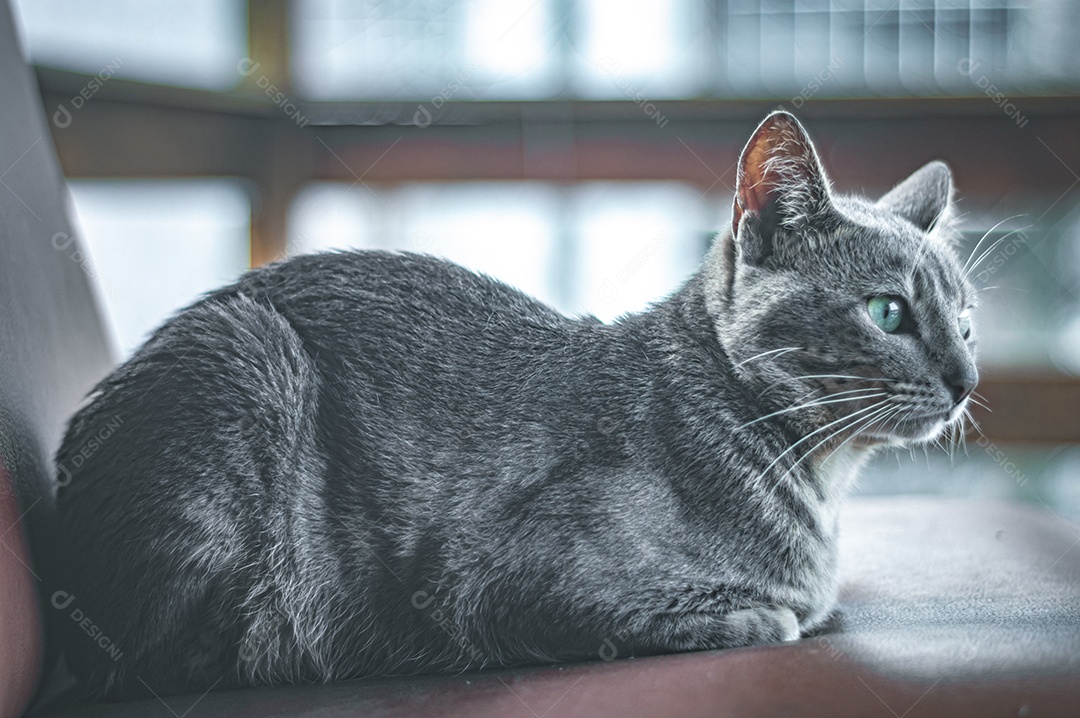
[(858, 309)]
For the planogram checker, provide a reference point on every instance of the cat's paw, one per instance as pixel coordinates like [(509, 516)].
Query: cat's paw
[(763, 624), (752, 626)]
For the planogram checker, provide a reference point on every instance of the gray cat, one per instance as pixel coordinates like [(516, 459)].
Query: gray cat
[(362, 463)]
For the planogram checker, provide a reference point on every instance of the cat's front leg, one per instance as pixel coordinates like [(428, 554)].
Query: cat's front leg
[(699, 631)]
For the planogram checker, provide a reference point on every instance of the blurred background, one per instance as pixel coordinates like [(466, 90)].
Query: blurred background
[(582, 150)]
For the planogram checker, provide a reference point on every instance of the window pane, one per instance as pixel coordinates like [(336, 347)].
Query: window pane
[(506, 230), (329, 216), (195, 42), (156, 246), (597, 248), (648, 48), (513, 47), (805, 48), (638, 242), (424, 49), (1028, 288), (437, 50)]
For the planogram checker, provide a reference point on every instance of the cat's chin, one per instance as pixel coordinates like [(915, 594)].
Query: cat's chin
[(909, 433)]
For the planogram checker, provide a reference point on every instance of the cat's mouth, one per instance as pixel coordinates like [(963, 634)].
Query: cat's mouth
[(910, 416), (919, 427)]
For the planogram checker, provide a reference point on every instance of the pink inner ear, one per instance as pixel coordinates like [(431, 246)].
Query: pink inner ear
[(752, 189), (778, 142)]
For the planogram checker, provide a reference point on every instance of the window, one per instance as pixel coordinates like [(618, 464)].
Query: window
[(421, 49), (595, 248), (487, 49), (195, 42), (156, 246)]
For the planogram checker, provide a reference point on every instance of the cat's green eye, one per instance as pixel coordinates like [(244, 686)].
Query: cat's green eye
[(887, 312), (964, 323)]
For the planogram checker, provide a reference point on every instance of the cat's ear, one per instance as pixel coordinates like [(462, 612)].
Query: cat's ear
[(923, 198), (780, 181)]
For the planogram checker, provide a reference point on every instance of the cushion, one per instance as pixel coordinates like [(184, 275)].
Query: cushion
[(947, 608)]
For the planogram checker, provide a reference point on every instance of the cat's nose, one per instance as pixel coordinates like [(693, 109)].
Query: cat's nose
[(961, 382)]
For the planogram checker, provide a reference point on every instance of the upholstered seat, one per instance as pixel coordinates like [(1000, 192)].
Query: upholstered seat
[(948, 608)]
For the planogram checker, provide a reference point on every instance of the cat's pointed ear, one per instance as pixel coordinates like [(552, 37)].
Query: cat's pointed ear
[(780, 180), (923, 198)]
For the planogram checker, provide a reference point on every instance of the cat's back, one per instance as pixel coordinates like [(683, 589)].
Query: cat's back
[(402, 289), (422, 330)]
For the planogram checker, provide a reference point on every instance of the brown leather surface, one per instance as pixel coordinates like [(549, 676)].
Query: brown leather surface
[(20, 625), (948, 608)]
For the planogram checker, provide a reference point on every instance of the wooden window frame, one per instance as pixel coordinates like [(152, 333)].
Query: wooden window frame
[(138, 130)]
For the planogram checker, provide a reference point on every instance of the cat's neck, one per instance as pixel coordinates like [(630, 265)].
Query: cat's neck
[(836, 470), (685, 321), (687, 316)]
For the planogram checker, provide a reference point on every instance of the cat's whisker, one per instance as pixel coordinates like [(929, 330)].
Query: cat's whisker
[(964, 417), (976, 402), (886, 417), (833, 435), (794, 446), (925, 242), (943, 444), (823, 376), (982, 257), (974, 424), (946, 438), (842, 393), (964, 269), (827, 399), (987, 233), (958, 437), (814, 393), (871, 420), (843, 376), (989, 250), (777, 352), (850, 391)]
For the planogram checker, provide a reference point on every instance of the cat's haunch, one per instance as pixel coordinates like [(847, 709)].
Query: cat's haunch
[(367, 464)]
